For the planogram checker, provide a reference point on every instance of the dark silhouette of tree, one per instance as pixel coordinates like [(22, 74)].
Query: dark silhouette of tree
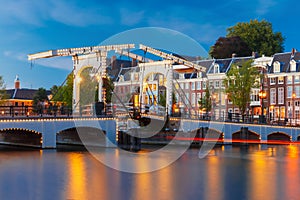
[(226, 46)]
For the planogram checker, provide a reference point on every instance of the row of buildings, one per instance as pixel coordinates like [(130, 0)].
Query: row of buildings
[(277, 98)]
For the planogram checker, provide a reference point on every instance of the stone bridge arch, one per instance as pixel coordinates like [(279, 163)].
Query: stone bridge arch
[(209, 134), (21, 136), (250, 136), (279, 137), (83, 135)]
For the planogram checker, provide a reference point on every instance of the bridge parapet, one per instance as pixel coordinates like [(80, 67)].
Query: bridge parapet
[(49, 127)]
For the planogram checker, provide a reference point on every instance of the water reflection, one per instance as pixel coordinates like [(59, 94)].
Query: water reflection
[(251, 172)]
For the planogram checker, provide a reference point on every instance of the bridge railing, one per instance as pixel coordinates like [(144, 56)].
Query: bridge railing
[(32, 111)]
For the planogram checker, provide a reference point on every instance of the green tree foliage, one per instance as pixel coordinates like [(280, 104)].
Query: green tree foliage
[(65, 92), (238, 83), (259, 36), (226, 46), (205, 102), (108, 85), (88, 87), (3, 94), (39, 98)]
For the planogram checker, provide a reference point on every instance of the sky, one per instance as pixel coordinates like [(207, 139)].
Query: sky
[(33, 26)]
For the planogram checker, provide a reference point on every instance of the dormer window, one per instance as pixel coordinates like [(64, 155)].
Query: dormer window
[(276, 67), (293, 65), (216, 68)]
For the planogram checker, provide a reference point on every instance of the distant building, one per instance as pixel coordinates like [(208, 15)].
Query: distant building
[(20, 100)]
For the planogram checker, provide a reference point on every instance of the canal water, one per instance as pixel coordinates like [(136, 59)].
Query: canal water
[(227, 172)]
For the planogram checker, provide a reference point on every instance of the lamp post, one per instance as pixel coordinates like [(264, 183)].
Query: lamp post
[(293, 107), (262, 95)]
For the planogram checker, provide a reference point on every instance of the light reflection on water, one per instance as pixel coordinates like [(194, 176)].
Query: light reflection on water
[(255, 172)]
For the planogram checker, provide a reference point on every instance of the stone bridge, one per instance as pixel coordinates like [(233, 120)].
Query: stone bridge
[(44, 132), (260, 132)]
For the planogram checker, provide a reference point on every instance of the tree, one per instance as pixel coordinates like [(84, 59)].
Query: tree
[(259, 36), (239, 81), (205, 102), (65, 92), (108, 85), (3, 94), (39, 98), (226, 46)]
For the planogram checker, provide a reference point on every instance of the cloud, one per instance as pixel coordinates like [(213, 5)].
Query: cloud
[(38, 13), (72, 14), (64, 63), (264, 6), (130, 18)]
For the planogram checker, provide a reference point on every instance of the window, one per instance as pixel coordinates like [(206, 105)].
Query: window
[(193, 99), (289, 79), (289, 91), (272, 81), (273, 96), (198, 97), (182, 85), (276, 67), (187, 85), (280, 80), (281, 95), (198, 85), (296, 79), (211, 83), (223, 84), (297, 91), (217, 84), (204, 85), (293, 65), (216, 68), (193, 85), (187, 97)]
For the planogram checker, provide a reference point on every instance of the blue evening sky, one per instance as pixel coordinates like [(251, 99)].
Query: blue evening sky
[(36, 25)]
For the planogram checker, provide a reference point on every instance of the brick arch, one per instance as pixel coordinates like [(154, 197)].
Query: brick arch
[(21, 136), (251, 136), (278, 136), (212, 134), (82, 135)]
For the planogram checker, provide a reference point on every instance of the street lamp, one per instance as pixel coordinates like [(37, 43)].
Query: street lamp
[(262, 95), (293, 107)]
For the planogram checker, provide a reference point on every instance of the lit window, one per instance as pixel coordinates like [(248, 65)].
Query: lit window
[(276, 67), (289, 79), (293, 65), (272, 81), (280, 80)]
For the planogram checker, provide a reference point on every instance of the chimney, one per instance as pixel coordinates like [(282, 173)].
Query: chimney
[(293, 51), (113, 61), (17, 82)]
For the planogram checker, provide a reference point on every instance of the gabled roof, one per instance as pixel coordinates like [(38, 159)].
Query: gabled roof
[(24, 94), (284, 60), (223, 65)]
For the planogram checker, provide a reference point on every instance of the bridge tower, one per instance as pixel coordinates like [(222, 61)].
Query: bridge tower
[(94, 56)]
